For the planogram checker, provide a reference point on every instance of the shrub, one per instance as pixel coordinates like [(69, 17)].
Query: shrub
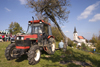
[(83, 47), (70, 43), (74, 44), (98, 46)]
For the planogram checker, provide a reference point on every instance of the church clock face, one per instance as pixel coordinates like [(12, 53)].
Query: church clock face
[(75, 34)]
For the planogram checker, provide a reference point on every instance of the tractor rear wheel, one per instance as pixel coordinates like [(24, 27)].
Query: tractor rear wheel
[(34, 55), (9, 51), (51, 46)]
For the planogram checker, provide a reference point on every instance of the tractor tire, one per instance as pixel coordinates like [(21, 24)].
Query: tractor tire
[(51, 46), (9, 51), (34, 55)]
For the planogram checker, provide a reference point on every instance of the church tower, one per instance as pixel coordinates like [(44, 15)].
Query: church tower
[(75, 34)]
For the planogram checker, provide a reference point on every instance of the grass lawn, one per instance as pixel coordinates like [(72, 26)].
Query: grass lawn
[(71, 58)]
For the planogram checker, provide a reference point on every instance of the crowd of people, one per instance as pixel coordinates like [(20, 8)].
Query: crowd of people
[(6, 37)]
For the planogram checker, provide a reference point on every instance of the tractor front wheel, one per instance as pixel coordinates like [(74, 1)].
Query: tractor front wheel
[(34, 55), (9, 51)]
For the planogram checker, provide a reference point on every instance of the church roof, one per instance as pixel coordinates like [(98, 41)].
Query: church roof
[(81, 37), (75, 30)]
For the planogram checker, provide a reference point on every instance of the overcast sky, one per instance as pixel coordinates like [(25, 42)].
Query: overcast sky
[(84, 15)]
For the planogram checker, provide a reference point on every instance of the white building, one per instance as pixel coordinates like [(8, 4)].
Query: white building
[(78, 39), (4, 32)]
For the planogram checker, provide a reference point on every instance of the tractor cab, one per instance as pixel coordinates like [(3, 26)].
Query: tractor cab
[(40, 29), (36, 27)]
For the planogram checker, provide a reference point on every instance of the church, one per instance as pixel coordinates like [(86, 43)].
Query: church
[(78, 39)]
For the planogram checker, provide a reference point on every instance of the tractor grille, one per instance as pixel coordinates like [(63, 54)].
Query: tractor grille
[(23, 42)]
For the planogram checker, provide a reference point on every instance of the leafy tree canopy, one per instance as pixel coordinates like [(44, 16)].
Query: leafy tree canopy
[(94, 39), (15, 28), (50, 8), (56, 33), (70, 43)]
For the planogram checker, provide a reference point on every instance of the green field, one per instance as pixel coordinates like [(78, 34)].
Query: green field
[(72, 58)]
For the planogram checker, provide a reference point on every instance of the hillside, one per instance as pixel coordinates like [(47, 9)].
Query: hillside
[(71, 58)]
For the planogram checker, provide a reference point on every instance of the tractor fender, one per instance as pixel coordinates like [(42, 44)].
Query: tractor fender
[(50, 36)]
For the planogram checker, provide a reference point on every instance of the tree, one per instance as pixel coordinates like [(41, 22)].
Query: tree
[(15, 28), (98, 46), (99, 36), (83, 47), (70, 43), (56, 33), (54, 10), (11, 26), (94, 39)]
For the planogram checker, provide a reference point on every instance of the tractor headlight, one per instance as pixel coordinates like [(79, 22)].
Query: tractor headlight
[(22, 38), (29, 23), (17, 38), (40, 22)]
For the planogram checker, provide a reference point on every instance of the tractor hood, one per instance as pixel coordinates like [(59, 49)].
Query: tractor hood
[(24, 37)]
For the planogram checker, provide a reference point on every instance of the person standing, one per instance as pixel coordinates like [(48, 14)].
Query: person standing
[(61, 44), (0, 36), (3, 37), (7, 38)]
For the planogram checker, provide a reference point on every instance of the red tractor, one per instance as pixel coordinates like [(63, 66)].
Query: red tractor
[(39, 37)]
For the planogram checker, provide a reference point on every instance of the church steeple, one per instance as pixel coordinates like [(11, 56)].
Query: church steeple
[(75, 30)]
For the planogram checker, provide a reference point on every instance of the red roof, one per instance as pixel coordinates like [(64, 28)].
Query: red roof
[(37, 21), (81, 37)]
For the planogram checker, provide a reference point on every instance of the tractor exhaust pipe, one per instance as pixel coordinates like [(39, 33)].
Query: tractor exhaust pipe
[(32, 26)]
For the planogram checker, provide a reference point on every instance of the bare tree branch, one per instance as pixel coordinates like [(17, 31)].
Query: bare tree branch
[(52, 9)]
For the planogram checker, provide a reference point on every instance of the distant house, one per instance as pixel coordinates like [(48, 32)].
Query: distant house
[(78, 39), (4, 32)]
